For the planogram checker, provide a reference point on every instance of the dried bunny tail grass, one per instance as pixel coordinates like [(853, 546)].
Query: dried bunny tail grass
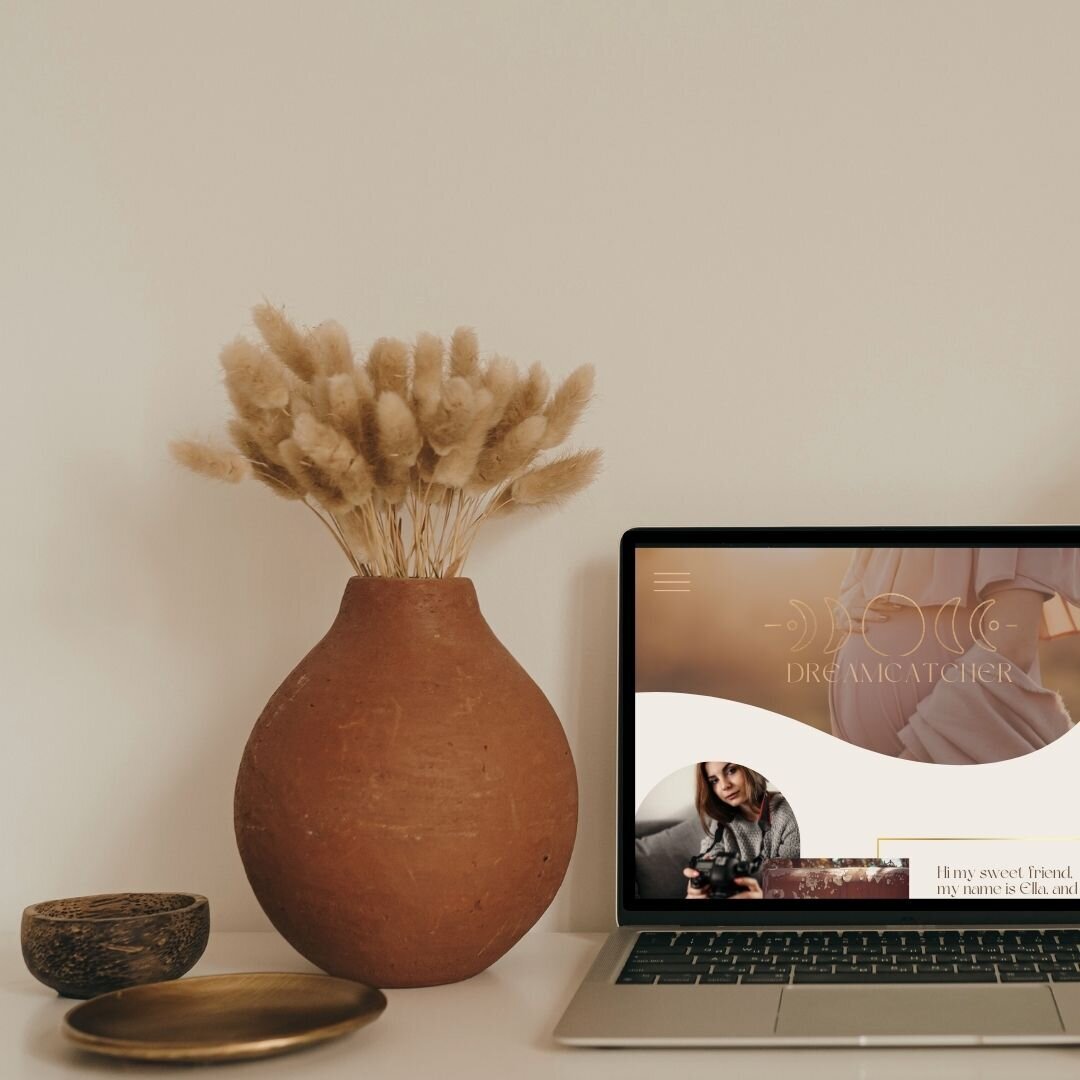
[(552, 483), (428, 359), (319, 393), (510, 454), (464, 353), (264, 431), (343, 405), (399, 442), (566, 406), (324, 447), (311, 480), (399, 438), (284, 340), (357, 532), (216, 462), (500, 378), (335, 458), (265, 464), (331, 350), (530, 396), (452, 419), (300, 400), (388, 365), (458, 465), (255, 380), (426, 462)]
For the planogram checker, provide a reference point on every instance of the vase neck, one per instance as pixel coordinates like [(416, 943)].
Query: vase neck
[(403, 606)]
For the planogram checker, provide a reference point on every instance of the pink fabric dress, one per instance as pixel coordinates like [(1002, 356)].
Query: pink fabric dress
[(925, 684)]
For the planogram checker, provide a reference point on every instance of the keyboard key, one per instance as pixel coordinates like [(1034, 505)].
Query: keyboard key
[(661, 963), (1024, 976), (677, 979), (667, 969), (718, 977), (896, 977), (766, 977), (641, 977)]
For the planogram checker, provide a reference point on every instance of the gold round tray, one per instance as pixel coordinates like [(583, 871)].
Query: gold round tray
[(222, 1017)]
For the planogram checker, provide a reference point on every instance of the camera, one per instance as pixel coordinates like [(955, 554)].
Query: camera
[(717, 872)]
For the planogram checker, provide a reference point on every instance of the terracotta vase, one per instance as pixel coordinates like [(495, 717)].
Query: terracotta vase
[(407, 803)]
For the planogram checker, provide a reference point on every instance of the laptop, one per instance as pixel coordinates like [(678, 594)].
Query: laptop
[(846, 799)]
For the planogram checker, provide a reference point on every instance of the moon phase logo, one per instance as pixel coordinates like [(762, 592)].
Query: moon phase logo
[(839, 625), (979, 624), (842, 625), (808, 627), (946, 634), (892, 599)]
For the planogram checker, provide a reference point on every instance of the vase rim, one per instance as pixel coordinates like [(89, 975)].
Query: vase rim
[(411, 580)]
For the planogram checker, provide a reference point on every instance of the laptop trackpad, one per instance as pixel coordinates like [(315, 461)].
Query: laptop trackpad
[(917, 1010)]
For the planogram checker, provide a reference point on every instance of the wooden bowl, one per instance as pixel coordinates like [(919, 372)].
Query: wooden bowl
[(89, 945)]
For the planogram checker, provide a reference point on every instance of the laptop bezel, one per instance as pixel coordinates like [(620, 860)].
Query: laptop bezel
[(632, 911)]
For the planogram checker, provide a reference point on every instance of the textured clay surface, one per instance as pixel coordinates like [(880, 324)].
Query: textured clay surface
[(407, 803)]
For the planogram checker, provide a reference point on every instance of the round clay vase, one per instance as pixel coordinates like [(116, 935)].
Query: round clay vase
[(407, 803)]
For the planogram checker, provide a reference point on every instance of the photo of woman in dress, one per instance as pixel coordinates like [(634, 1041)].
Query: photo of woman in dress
[(963, 626)]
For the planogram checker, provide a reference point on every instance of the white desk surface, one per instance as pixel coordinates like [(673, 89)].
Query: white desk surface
[(497, 1024)]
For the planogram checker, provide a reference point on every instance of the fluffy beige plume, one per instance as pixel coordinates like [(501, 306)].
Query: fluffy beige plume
[(399, 443), (399, 437), (214, 461), (464, 353), (300, 401), (343, 405), (388, 365), (265, 463), (401, 457), (510, 454), (428, 359), (365, 388), (319, 392), (265, 431), (335, 458), (451, 421), (311, 480), (500, 378), (566, 406), (331, 350), (254, 379), (284, 340), (530, 396), (324, 447), (555, 482), (458, 465)]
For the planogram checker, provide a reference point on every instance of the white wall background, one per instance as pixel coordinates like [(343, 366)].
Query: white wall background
[(824, 257)]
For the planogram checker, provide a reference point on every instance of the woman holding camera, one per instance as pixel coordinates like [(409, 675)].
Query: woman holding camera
[(740, 815)]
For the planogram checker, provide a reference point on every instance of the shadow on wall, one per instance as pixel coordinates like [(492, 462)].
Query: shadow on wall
[(591, 666)]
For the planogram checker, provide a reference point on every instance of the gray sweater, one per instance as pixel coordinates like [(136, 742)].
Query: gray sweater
[(779, 841)]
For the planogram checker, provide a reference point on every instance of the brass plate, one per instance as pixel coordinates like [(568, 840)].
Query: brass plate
[(222, 1017)]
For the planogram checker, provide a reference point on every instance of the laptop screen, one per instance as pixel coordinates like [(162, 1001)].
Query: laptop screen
[(810, 722)]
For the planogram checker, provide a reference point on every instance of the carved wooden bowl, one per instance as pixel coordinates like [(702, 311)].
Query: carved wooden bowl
[(89, 945)]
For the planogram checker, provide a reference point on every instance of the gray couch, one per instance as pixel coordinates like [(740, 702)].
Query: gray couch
[(661, 852)]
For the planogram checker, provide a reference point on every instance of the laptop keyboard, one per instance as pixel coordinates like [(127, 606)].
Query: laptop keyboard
[(854, 956)]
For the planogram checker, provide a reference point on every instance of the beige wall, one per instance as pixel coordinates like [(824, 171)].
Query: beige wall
[(824, 257)]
